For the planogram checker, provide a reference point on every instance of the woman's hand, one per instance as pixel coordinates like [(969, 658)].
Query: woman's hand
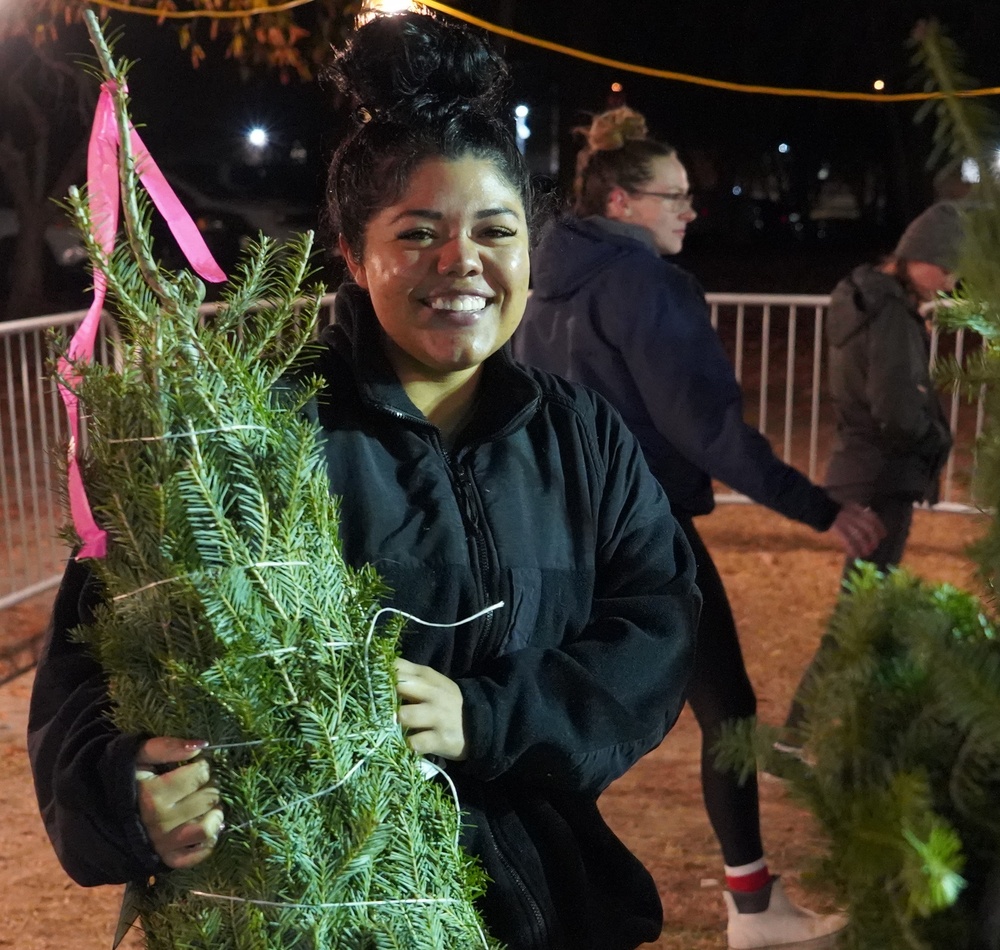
[(431, 714), (179, 807), (858, 530)]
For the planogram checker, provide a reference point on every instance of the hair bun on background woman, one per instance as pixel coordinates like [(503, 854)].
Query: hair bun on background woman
[(417, 66), (612, 129)]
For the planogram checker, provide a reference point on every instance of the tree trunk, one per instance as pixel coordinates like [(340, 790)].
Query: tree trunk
[(28, 294)]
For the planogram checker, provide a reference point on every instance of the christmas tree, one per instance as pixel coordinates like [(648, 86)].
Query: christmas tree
[(901, 760), (230, 615)]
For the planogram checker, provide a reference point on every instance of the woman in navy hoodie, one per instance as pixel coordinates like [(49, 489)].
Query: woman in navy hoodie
[(609, 312)]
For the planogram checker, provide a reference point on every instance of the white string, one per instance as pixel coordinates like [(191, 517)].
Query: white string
[(337, 905), (430, 769), (323, 791), (327, 906), (184, 435), (280, 651), (429, 623), (139, 590), (427, 767), (180, 577), (426, 623), (347, 737)]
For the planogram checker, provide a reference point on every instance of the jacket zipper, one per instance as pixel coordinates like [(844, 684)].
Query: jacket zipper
[(469, 506), (536, 911)]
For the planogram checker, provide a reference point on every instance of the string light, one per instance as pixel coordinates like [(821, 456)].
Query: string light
[(373, 7)]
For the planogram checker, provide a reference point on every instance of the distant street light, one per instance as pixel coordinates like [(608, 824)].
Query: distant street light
[(257, 137), (373, 8), (878, 85), (521, 126)]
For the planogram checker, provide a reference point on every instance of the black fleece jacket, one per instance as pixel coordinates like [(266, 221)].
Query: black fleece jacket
[(607, 311), (545, 504)]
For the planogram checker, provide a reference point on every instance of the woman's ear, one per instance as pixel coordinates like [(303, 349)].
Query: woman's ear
[(356, 268), (619, 204)]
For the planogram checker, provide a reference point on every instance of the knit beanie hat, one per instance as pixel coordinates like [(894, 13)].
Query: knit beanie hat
[(934, 236)]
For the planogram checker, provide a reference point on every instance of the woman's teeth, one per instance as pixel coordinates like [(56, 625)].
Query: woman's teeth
[(465, 302)]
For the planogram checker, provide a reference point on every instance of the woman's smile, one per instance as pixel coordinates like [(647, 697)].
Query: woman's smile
[(447, 269)]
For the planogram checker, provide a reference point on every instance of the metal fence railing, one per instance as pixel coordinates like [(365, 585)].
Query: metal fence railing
[(775, 343)]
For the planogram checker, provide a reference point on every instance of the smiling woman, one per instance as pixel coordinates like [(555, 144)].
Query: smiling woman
[(447, 271), (469, 480), (508, 509)]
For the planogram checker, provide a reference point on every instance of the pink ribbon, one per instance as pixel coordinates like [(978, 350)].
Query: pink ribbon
[(103, 197)]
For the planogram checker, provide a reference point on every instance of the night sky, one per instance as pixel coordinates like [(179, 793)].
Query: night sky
[(830, 45), (204, 114)]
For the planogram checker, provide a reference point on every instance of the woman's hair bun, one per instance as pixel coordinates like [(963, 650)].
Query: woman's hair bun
[(413, 66), (612, 129)]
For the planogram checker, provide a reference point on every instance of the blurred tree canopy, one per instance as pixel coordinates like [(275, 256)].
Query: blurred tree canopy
[(46, 100), (290, 36)]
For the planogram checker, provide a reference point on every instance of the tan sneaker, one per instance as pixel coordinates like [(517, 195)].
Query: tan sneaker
[(782, 924)]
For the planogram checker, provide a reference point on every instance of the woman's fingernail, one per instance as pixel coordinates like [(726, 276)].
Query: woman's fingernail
[(194, 744)]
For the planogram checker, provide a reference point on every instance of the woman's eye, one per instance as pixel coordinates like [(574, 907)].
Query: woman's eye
[(417, 234), (499, 231)]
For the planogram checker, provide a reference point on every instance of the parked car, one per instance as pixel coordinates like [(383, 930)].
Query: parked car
[(226, 234), (725, 218), (272, 203), (65, 265)]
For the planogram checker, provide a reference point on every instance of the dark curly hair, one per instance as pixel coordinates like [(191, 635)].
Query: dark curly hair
[(419, 88)]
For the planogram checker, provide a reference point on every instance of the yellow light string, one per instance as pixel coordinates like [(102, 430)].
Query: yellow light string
[(575, 53), (697, 80), (203, 14)]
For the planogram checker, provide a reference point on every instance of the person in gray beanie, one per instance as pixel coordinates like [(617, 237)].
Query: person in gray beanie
[(892, 436), (933, 237)]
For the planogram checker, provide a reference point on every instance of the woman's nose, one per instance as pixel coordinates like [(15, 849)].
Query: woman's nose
[(460, 256)]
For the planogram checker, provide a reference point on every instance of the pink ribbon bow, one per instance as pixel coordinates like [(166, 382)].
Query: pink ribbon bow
[(103, 197)]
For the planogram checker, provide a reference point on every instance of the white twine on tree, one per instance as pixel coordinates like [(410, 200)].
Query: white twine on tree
[(185, 435), (284, 905), (323, 791), (180, 577), (327, 906), (425, 623), (428, 768)]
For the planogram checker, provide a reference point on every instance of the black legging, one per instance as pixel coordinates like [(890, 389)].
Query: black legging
[(896, 514), (720, 690)]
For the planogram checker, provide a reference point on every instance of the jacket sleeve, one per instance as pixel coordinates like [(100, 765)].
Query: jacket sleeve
[(898, 387), (691, 393), (83, 768), (575, 718)]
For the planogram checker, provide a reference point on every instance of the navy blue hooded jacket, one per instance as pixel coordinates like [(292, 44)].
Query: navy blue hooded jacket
[(607, 311), (545, 503)]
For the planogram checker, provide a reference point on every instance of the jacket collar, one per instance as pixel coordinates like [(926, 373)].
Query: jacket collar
[(634, 232), (359, 339)]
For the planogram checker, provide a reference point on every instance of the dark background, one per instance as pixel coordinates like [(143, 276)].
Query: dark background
[(850, 175)]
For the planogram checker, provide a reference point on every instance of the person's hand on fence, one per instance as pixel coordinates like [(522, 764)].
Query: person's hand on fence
[(178, 803), (858, 529)]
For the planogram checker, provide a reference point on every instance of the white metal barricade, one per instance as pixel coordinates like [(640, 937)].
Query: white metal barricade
[(774, 341)]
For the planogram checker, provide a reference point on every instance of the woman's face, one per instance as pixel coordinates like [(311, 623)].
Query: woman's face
[(447, 268), (929, 280), (662, 205)]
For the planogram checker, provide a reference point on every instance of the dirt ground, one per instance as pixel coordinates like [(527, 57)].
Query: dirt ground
[(781, 578)]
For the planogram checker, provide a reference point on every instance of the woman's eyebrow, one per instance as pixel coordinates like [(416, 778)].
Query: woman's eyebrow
[(428, 214)]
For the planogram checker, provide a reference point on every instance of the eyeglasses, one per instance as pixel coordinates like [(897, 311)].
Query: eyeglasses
[(676, 200)]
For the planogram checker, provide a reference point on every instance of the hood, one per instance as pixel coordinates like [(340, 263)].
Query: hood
[(856, 298), (573, 250)]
